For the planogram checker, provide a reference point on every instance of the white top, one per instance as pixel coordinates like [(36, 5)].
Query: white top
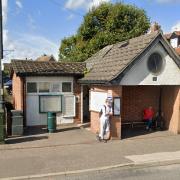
[(105, 112)]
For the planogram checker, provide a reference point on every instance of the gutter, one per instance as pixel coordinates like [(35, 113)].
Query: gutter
[(94, 82), (26, 74)]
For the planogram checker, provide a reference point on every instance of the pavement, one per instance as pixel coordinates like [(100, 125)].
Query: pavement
[(75, 150)]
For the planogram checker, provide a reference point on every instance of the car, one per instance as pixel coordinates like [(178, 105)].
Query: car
[(8, 86), (6, 79)]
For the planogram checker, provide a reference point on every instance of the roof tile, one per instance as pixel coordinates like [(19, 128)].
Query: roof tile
[(116, 57), (27, 67)]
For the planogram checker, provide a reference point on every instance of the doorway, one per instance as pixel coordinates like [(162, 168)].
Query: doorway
[(86, 112)]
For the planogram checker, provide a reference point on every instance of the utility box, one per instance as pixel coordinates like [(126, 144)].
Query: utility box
[(17, 122)]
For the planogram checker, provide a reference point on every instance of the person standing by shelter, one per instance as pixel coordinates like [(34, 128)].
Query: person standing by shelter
[(148, 117), (105, 113)]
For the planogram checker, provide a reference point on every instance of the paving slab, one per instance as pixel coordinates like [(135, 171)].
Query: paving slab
[(155, 157)]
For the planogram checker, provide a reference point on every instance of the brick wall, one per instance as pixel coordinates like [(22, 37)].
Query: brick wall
[(136, 98), (171, 107), (17, 92), (77, 92), (115, 121)]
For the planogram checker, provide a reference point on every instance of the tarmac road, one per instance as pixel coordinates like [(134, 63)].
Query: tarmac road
[(167, 172)]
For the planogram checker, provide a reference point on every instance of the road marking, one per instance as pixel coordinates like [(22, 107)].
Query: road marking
[(154, 157), (68, 172)]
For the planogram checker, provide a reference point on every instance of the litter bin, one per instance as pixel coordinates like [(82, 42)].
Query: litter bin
[(2, 123), (51, 122), (17, 122)]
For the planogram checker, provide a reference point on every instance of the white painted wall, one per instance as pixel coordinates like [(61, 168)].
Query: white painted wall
[(33, 116), (174, 42), (48, 79), (140, 75)]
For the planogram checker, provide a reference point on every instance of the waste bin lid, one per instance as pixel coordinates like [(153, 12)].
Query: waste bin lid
[(51, 113)]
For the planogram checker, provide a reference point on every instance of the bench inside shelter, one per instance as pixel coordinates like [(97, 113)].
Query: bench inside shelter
[(133, 123)]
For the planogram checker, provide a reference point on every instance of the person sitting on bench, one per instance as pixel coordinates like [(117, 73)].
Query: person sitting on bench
[(148, 114)]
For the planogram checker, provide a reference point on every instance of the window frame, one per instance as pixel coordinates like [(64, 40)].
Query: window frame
[(62, 87), (44, 82), (60, 83), (162, 65), (55, 82), (37, 90)]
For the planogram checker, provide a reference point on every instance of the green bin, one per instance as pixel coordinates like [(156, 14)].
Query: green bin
[(2, 123), (51, 122)]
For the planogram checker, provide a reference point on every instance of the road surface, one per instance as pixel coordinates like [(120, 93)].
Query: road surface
[(167, 172)]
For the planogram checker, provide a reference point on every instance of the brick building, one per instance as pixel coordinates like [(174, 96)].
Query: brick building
[(137, 73), (143, 71), (33, 80)]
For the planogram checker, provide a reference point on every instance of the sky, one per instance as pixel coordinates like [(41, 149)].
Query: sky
[(32, 28)]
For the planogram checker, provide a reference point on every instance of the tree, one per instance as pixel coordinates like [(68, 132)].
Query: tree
[(107, 24)]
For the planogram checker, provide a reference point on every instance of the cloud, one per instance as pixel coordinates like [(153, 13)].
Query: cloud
[(25, 45), (168, 1), (70, 17), (19, 4), (85, 4), (176, 27), (4, 11), (28, 46)]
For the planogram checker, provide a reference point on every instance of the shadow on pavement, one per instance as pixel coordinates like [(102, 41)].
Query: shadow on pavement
[(128, 132), (63, 129), (16, 140), (28, 131)]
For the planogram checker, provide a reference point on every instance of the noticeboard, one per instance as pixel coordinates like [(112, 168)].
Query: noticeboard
[(97, 99), (50, 103), (69, 106), (116, 106)]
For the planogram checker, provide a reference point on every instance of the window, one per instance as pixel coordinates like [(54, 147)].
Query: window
[(55, 87), (31, 87), (44, 87), (69, 106), (66, 87), (155, 63), (174, 42)]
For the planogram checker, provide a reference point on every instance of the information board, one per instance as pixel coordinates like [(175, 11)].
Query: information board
[(69, 106), (50, 103), (116, 106), (97, 99)]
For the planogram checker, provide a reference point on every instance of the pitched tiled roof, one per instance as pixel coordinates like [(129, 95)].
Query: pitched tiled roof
[(33, 68), (90, 62), (46, 58), (117, 58)]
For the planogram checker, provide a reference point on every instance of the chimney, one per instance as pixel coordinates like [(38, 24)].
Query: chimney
[(155, 27)]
